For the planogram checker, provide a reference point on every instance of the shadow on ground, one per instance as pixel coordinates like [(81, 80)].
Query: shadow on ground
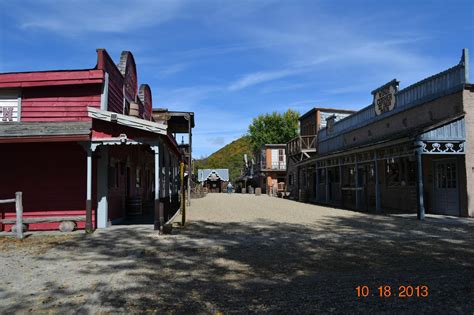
[(266, 266)]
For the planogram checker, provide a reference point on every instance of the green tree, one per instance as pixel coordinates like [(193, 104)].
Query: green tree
[(273, 128)]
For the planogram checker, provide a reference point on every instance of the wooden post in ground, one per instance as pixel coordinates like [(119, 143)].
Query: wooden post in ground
[(157, 224), (88, 226), (19, 214), (419, 177), (183, 195)]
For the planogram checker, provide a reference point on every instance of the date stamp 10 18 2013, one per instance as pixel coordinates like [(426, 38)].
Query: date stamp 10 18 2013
[(386, 291)]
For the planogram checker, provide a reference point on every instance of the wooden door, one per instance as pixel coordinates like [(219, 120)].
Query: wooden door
[(446, 187)]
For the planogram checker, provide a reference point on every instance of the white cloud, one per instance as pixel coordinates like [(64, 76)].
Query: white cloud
[(81, 16), (261, 77), (172, 69), (188, 98), (218, 141)]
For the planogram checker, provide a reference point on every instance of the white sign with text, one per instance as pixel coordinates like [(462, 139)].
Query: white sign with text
[(9, 107)]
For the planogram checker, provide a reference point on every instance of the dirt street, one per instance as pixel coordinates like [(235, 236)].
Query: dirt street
[(245, 253)]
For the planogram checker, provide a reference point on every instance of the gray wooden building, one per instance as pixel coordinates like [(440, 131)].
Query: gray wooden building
[(411, 150)]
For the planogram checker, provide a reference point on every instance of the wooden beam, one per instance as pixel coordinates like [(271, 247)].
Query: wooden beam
[(127, 121), (45, 219), (44, 129)]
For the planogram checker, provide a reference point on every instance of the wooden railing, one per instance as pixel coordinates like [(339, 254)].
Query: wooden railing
[(278, 166), (301, 144), (19, 212)]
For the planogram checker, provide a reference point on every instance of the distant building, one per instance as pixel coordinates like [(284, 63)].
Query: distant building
[(270, 170), (303, 147), (215, 180)]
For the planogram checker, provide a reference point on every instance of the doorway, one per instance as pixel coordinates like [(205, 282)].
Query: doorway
[(446, 187)]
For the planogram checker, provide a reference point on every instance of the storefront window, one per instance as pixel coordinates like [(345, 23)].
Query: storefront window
[(337, 177), (348, 176), (400, 172), (411, 173), (322, 175)]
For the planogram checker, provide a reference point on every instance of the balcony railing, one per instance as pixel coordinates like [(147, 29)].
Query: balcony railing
[(278, 166), (301, 144)]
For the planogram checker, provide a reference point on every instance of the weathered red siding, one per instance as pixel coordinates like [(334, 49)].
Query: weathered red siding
[(115, 99), (52, 177), (59, 103), (50, 78), (144, 95)]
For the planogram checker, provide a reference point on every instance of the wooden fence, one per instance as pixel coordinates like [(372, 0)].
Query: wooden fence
[(18, 200)]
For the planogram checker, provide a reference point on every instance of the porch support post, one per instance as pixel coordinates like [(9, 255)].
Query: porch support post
[(190, 159), (166, 182), (378, 200), (317, 182), (102, 188), (340, 183), (158, 207), (327, 184), (183, 194), (419, 168), (89, 228), (357, 183)]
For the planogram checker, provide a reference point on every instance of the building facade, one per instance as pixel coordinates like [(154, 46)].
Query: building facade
[(300, 180), (84, 144), (270, 168), (214, 180), (409, 151)]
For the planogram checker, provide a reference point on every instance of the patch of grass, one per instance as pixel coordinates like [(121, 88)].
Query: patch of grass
[(35, 243)]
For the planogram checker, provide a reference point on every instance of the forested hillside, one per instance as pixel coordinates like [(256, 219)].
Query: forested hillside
[(230, 157)]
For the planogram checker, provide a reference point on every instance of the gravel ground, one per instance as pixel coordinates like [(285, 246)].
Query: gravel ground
[(246, 254)]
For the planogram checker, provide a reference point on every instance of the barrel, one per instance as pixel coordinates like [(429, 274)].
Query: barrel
[(258, 191), (134, 206)]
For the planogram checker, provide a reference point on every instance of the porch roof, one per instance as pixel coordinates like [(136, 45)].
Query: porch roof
[(452, 130), (44, 131), (128, 121)]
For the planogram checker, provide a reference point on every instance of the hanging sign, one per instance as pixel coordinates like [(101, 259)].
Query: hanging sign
[(384, 97)]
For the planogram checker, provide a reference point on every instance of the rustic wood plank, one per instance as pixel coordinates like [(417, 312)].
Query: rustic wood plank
[(44, 129), (45, 219), (7, 201)]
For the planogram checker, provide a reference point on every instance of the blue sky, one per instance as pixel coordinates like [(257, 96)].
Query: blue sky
[(229, 61)]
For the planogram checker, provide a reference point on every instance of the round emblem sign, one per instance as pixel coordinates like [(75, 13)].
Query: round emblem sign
[(384, 99)]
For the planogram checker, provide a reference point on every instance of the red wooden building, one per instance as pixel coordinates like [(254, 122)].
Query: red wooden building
[(84, 143)]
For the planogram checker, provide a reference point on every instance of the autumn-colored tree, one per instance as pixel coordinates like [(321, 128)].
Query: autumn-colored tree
[(273, 128)]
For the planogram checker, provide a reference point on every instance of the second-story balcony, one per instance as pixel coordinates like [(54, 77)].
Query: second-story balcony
[(280, 166), (274, 166), (301, 144)]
